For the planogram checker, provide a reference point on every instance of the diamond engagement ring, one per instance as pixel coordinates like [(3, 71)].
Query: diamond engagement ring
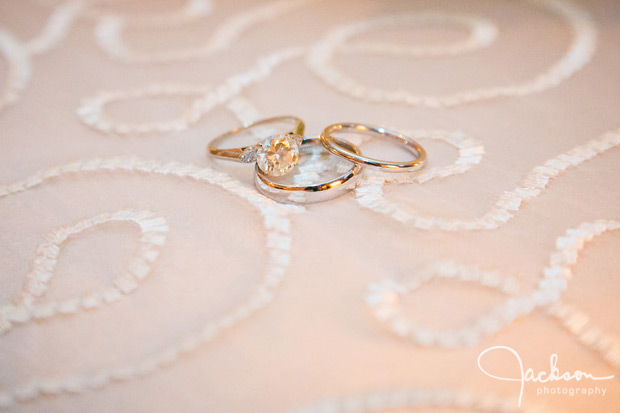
[(276, 155), (290, 167)]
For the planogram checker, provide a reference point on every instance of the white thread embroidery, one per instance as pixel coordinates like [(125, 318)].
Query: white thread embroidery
[(92, 114), (370, 193), (19, 56), (591, 336), (470, 152), (19, 68), (56, 27), (578, 55), (91, 110), (109, 34), (278, 242), (383, 299), (401, 399), (24, 307), (192, 9), (482, 34), (244, 110)]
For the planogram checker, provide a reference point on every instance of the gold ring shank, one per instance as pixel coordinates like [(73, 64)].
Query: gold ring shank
[(332, 145), (239, 154)]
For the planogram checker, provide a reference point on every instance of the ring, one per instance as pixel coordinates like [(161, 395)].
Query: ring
[(333, 145), (276, 155), (302, 194)]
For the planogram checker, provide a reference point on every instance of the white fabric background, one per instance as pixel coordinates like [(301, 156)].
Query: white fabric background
[(317, 339)]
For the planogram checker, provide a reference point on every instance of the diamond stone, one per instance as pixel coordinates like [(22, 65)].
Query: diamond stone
[(278, 154), (249, 155)]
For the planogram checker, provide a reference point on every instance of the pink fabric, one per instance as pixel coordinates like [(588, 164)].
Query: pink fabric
[(318, 337)]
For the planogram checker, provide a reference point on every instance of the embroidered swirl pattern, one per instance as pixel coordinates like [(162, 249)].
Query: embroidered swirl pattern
[(383, 298)]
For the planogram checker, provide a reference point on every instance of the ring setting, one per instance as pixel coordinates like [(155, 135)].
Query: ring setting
[(276, 155), (279, 154)]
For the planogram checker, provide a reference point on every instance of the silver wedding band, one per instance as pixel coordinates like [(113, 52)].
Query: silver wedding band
[(316, 192), (332, 145)]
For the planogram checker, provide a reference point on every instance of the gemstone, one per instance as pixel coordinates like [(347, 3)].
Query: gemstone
[(249, 155), (278, 154)]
